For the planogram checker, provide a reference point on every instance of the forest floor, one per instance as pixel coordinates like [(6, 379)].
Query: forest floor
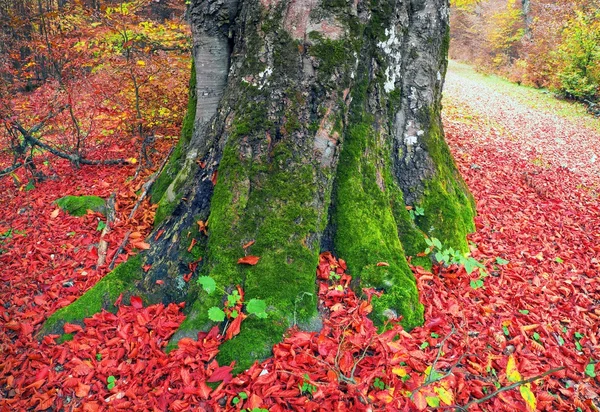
[(533, 165)]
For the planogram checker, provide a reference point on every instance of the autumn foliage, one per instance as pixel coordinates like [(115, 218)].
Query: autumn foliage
[(548, 44)]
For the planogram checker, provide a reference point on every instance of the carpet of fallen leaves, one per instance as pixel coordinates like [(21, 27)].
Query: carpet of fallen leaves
[(538, 233)]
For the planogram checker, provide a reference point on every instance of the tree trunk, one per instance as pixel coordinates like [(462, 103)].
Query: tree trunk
[(312, 126)]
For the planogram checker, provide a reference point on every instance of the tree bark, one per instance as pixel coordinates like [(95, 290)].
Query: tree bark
[(312, 125)]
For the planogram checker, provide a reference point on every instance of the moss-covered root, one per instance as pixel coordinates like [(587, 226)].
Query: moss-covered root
[(79, 205), (101, 296), (367, 231)]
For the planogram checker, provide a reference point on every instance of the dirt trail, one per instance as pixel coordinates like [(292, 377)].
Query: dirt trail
[(541, 128)]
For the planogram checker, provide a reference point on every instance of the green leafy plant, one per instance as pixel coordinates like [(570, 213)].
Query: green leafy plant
[(590, 369), (450, 256), (379, 384), (416, 211), (242, 396), (578, 337), (306, 387), (233, 302)]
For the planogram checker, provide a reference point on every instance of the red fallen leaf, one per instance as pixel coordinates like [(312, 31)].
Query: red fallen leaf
[(204, 390), (379, 264), (248, 260), (234, 327), (12, 325), (188, 276), (82, 390), (70, 328), (141, 245), (222, 373), (119, 299), (247, 245), (191, 246), (420, 401), (36, 384), (160, 282), (346, 362), (213, 178), (136, 302), (146, 267), (159, 234), (91, 407), (254, 401)]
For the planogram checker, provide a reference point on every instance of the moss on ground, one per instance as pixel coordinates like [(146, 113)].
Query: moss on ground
[(79, 205), (101, 296)]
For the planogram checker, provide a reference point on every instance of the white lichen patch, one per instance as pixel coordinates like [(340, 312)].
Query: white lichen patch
[(392, 49), (325, 140), (412, 134)]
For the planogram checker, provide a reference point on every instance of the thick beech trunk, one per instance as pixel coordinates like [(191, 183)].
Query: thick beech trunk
[(319, 122)]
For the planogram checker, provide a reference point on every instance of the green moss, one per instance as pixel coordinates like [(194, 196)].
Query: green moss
[(101, 296), (79, 205), (65, 337), (370, 213), (175, 161), (366, 229), (335, 57), (258, 337), (449, 206), (267, 199)]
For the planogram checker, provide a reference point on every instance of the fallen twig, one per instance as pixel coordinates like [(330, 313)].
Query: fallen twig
[(119, 250), (507, 388), (110, 218)]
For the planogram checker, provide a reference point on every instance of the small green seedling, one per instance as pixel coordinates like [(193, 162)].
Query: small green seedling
[(242, 396), (306, 387), (110, 382), (379, 384)]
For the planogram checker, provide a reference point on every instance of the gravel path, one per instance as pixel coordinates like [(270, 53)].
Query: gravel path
[(539, 127)]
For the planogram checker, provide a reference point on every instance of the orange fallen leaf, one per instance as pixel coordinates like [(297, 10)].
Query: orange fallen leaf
[(54, 213), (247, 245), (192, 243), (141, 245), (248, 260), (202, 226), (379, 264), (82, 390)]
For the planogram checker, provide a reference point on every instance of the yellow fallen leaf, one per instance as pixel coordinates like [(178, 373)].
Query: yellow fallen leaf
[(401, 372), (132, 160), (512, 373), (529, 397), (141, 63), (445, 396)]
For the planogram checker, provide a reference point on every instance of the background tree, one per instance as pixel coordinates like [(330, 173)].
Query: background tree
[(311, 126)]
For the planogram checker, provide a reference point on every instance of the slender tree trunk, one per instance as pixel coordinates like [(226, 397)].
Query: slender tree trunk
[(527, 19), (312, 125)]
